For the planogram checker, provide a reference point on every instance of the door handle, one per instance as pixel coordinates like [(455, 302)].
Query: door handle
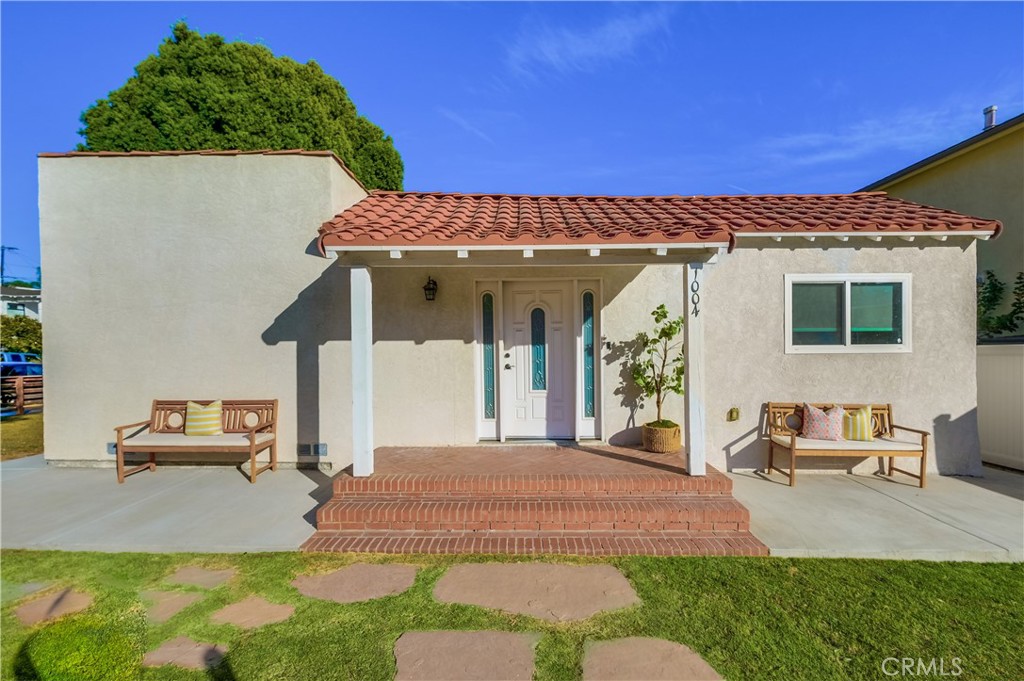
[(508, 366)]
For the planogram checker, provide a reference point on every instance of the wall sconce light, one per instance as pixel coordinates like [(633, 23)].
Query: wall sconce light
[(430, 290)]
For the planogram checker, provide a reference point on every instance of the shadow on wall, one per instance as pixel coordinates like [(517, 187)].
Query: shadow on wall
[(749, 450), (320, 314), (956, 446), (625, 354)]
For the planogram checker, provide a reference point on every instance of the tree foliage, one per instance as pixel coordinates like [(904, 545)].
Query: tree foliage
[(21, 334), (658, 369), (201, 92), (990, 297)]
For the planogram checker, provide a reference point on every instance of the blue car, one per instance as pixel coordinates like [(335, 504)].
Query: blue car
[(21, 369)]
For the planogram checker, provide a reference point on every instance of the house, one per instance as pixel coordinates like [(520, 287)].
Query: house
[(431, 319), (983, 175), (21, 301)]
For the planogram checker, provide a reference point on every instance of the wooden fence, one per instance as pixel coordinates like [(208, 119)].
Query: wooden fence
[(22, 393)]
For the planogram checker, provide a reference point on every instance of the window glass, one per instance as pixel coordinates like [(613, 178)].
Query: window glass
[(876, 313), (488, 359), (538, 370), (818, 314), (588, 354)]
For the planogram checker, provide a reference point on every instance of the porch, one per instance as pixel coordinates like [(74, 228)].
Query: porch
[(551, 498)]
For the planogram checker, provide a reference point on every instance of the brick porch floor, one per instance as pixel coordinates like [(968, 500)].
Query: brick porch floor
[(533, 499)]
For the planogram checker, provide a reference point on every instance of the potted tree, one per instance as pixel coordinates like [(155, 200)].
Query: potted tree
[(658, 371)]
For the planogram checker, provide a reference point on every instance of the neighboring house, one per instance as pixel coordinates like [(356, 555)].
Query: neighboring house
[(18, 301), (209, 268), (983, 175)]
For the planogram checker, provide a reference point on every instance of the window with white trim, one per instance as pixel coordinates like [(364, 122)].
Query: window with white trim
[(847, 313)]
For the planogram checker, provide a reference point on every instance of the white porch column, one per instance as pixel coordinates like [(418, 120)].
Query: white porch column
[(362, 371), (693, 348)]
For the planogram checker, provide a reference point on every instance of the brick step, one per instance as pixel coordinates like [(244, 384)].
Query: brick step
[(534, 485), (540, 543), (536, 514)]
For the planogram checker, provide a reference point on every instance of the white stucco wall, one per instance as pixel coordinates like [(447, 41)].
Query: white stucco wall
[(195, 277), (188, 277), (931, 388), (424, 372)]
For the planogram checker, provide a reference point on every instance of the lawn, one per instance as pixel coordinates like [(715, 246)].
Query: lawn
[(21, 436), (750, 618)]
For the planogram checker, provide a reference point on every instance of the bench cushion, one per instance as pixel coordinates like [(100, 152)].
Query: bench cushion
[(879, 444), (192, 442)]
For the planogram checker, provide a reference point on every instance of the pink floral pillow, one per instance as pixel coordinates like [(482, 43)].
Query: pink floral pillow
[(823, 425)]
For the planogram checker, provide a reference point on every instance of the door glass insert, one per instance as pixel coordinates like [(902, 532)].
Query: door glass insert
[(488, 359), (588, 354), (538, 354)]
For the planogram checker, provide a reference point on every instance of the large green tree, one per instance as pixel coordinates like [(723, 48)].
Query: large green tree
[(21, 334), (200, 92)]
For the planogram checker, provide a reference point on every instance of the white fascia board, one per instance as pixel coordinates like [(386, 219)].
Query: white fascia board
[(874, 236), (604, 248)]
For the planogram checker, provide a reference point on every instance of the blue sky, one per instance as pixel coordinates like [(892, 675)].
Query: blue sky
[(608, 98)]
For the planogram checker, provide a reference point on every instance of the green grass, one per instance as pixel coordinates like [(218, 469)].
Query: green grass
[(750, 618), (21, 436)]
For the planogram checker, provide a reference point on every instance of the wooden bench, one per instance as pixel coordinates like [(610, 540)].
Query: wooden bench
[(785, 419), (250, 426)]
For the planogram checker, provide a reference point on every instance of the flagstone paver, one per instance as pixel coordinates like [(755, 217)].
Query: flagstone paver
[(359, 582), (252, 612), (52, 606), (194, 575), (555, 593), (167, 604), (644, 659), (465, 656), (186, 653)]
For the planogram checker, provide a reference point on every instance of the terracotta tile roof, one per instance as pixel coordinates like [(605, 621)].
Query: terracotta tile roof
[(205, 152), (401, 219)]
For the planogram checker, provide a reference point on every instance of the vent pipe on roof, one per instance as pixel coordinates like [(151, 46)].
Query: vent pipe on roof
[(990, 116)]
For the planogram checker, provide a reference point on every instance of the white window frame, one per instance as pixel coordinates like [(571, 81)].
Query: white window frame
[(848, 347)]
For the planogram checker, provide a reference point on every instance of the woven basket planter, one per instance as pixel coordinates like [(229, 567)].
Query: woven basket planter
[(661, 440)]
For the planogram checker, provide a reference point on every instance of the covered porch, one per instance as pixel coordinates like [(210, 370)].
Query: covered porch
[(544, 312)]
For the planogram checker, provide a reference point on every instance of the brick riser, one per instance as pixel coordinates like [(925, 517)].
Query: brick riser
[(536, 515), (590, 515), (559, 485), (540, 543)]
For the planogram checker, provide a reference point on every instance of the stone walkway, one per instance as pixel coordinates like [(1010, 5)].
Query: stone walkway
[(186, 653), (51, 606), (551, 592), (167, 604), (644, 659), (465, 656), (252, 612), (359, 582), (556, 593)]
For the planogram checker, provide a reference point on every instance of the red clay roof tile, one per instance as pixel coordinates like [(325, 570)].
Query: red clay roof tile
[(403, 219)]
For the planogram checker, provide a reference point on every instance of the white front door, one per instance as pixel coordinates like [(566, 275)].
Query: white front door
[(536, 365)]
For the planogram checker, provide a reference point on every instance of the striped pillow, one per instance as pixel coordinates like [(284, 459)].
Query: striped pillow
[(823, 425), (857, 425), (200, 420)]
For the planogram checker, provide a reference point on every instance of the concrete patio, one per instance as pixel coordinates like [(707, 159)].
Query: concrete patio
[(211, 509), (868, 516), (215, 509)]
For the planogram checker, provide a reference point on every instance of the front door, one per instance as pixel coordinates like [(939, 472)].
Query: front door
[(536, 365)]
